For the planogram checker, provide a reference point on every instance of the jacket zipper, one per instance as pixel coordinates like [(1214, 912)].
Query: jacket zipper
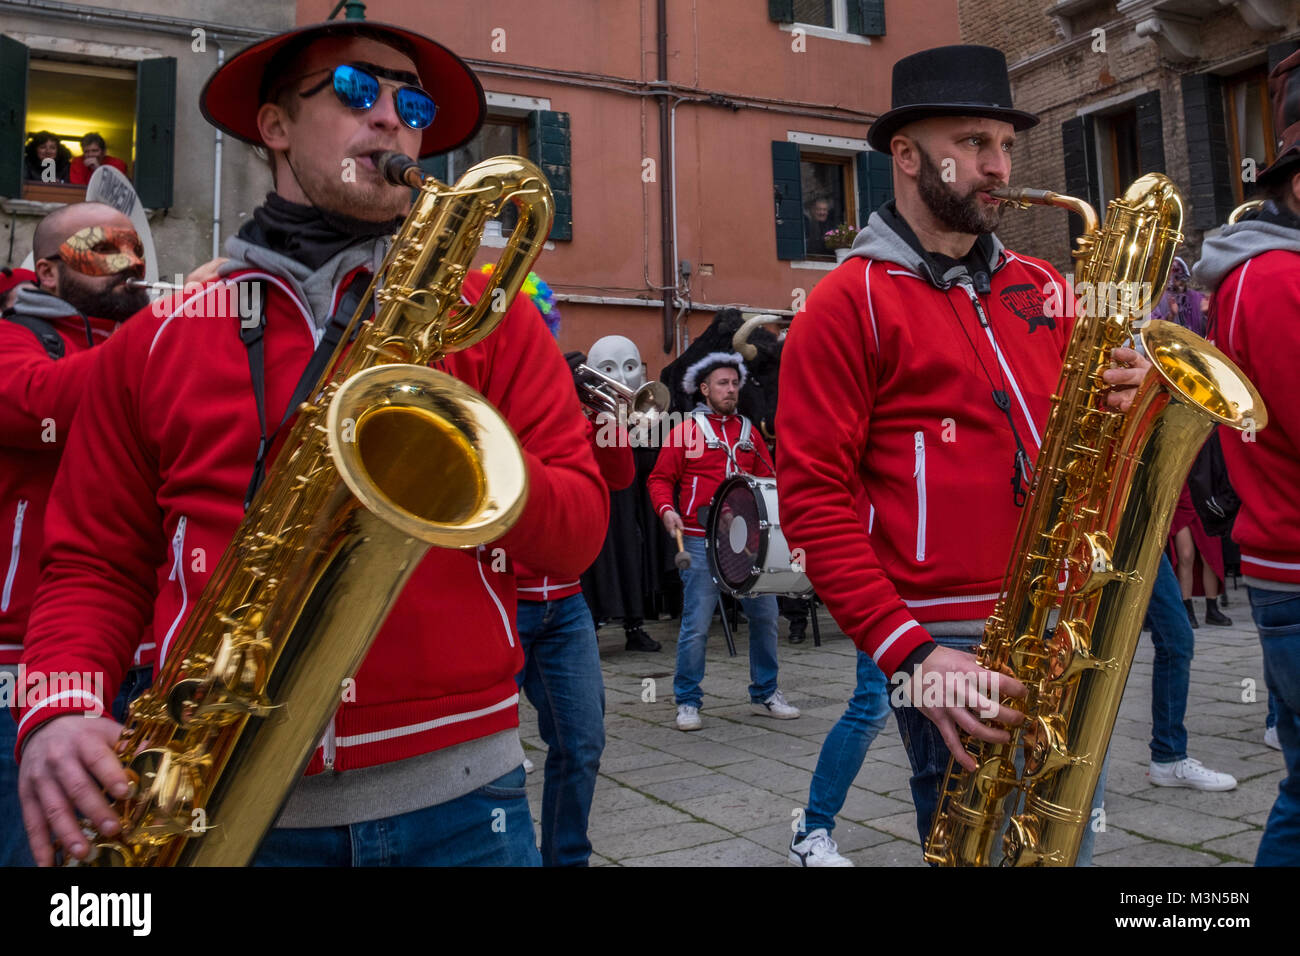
[(919, 474), (329, 746), (13, 556), (690, 504), (178, 575)]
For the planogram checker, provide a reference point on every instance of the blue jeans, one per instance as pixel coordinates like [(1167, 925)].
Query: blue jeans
[(1271, 719), (14, 848), (929, 756), (561, 677), (1171, 670), (846, 746), (699, 598), (1277, 616), (489, 827)]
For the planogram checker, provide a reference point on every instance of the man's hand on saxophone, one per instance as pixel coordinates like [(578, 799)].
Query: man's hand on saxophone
[(1130, 369), (67, 768)]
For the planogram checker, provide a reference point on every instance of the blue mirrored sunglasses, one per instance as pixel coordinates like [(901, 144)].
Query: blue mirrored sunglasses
[(358, 89)]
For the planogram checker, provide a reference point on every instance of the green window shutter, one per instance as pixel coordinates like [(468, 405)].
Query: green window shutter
[(13, 115), (1151, 133), (550, 147), (787, 189), (155, 131), (780, 11), (875, 178), (1078, 143), (1209, 160), (867, 17)]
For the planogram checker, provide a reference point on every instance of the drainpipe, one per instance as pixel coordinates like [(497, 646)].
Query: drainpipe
[(666, 225), (216, 177)]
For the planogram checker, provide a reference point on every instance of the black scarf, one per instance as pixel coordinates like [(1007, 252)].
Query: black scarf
[(1278, 214), (310, 235)]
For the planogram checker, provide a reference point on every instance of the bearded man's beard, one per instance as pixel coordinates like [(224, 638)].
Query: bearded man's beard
[(117, 303), (966, 214)]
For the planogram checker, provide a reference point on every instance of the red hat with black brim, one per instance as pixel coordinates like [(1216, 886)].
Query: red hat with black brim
[(1284, 91), (963, 80), (234, 93)]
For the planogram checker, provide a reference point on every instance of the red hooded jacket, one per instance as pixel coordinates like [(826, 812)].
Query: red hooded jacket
[(886, 394), (38, 397), (171, 437)]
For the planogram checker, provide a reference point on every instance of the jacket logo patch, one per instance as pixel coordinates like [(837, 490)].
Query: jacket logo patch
[(1027, 301)]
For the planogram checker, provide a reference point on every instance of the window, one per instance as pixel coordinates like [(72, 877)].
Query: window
[(1117, 152), (827, 186), (1250, 124), (131, 104), (499, 136), (820, 182), (836, 19)]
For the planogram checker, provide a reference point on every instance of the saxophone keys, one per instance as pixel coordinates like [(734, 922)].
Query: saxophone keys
[(1069, 652), (1046, 749), (1020, 844)]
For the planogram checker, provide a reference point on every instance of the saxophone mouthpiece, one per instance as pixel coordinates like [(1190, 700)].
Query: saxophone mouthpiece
[(399, 169)]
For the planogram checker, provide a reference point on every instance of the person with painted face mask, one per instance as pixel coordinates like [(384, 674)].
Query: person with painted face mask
[(84, 255), (615, 585)]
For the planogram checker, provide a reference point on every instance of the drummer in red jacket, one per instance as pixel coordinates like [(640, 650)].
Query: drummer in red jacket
[(922, 371), (712, 444), (422, 762)]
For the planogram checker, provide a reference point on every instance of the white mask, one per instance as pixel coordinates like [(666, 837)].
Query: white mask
[(617, 357)]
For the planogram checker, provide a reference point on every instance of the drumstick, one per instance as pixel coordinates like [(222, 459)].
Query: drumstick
[(683, 558)]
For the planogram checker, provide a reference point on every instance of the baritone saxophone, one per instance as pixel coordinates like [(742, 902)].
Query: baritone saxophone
[(1104, 491), (386, 458)]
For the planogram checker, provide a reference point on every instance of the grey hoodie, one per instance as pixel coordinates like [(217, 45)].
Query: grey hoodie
[(315, 288), (882, 240), (1236, 243), (42, 305)]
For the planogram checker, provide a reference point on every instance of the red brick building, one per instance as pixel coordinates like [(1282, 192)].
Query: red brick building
[(690, 145)]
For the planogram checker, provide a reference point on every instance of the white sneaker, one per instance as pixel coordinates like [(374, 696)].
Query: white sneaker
[(688, 717), (1189, 772), (776, 706), (816, 849), (1271, 739), (528, 766)]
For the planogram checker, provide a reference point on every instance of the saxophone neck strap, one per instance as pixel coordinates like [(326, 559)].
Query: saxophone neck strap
[(253, 338)]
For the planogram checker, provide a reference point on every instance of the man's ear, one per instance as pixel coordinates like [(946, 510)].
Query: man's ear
[(271, 126), (47, 275), (907, 154)]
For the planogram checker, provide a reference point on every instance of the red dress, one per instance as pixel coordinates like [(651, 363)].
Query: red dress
[(1207, 548)]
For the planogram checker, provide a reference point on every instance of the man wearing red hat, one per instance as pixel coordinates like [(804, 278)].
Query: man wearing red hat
[(1253, 266), (84, 255), (10, 281), (422, 763), (914, 392)]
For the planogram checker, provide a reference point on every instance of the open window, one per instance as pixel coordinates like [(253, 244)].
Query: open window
[(131, 104), (1250, 124), (820, 182)]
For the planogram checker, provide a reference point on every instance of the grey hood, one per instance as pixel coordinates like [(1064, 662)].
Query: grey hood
[(42, 305), (1235, 244), (315, 288), (884, 239)]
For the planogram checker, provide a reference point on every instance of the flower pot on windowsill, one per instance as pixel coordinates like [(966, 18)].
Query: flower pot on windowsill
[(841, 254)]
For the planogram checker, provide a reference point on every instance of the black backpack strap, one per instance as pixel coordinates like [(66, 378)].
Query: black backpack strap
[(253, 339), (45, 333)]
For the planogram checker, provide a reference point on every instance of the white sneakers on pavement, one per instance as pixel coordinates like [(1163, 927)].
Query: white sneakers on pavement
[(776, 706), (816, 849), (1271, 738), (688, 717), (1189, 772)]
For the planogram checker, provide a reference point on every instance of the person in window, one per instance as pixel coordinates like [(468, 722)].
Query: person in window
[(816, 224), (41, 148), (94, 153)]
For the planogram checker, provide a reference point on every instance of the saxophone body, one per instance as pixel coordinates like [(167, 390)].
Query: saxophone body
[(386, 458), (1075, 593)]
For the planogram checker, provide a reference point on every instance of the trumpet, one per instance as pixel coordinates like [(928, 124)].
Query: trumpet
[(600, 393)]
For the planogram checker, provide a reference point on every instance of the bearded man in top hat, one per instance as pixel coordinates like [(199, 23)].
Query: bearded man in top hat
[(914, 392), (423, 756), (1253, 268)]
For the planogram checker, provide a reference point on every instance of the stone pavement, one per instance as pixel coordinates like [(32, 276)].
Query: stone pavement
[(727, 794)]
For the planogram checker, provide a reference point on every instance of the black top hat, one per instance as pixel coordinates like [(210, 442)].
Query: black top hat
[(1284, 91), (232, 95), (949, 81)]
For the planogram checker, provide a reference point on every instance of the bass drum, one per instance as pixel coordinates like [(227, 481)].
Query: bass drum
[(748, 554)]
